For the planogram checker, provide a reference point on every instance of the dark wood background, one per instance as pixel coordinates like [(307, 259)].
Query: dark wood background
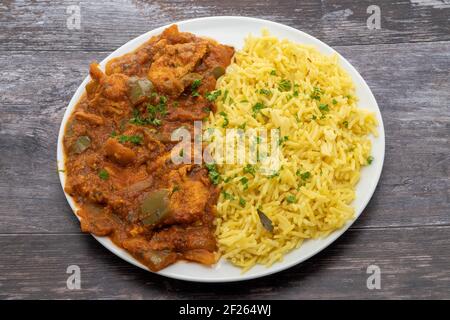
[(405, 229)]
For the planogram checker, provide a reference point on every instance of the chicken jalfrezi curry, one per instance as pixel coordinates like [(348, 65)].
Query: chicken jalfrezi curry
[(118, 150)]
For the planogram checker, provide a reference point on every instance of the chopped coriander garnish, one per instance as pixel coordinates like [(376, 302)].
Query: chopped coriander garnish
[(334, 101), (370, 160), (257, 108), (244, 182), (195, 84), (242, 126), (315, 95), (225, 96), (283, 140), (175, 189), (225, 119), (284, 85), (273, 73), (138, 119), (162, 100), (227, 196), (314, 117), (304, 176), (242, 202), (103, 174), (155, 122), (265, 92), (291, 198), (250, 169), (113, 134), (213, 95), (153, 112), (324, 107), (214, 175), (207, 109), (345, 123), (133, 139)]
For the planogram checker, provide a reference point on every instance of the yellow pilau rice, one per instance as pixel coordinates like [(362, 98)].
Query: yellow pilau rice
[(325, 144)]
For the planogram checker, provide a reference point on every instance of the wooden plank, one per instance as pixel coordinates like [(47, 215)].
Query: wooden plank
[(413, 264), (42, 25), (414, 97)]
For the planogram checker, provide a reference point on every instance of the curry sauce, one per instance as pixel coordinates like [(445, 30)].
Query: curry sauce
[(117, 146)]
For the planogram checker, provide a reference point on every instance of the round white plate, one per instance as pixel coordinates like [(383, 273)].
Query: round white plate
[(232, 31)]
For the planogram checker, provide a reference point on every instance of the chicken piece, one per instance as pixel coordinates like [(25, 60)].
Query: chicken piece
[(200, 255), (108, 93), (188, 203), (118, 152), (114, 87), (174, 62), (173, 35)]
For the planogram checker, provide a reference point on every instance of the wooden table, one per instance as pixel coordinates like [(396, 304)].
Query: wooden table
[(405, 229)]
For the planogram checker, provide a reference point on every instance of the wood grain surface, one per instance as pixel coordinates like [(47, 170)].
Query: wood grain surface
[(405, 229)]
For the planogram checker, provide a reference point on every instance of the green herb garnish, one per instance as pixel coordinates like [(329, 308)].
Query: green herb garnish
[(244, 182), (225, 119), (257, 108), (242, 126), (283, 140), (133, 139), (291, 198), (284, 85), (250, 169), (213, 174), (324, 107), (225, 96), (213, 95), (315, 95), (304, 176), (227, 196), (265, 92), (103, 174)]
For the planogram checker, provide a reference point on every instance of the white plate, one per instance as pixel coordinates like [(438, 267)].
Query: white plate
[(232, 31)]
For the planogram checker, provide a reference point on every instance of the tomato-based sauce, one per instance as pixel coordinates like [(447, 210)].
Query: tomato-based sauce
[(118, 150)]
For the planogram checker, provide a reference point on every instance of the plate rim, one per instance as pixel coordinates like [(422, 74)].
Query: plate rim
[(275, 268)]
